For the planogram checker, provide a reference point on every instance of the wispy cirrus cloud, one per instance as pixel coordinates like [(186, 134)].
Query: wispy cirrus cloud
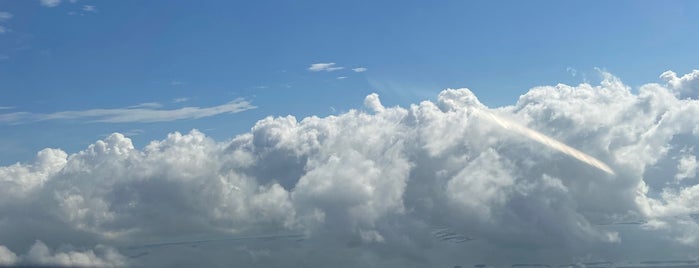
[(50, 3), (151, 105), (328, 67), (178, 100), (89, 8), (176, 83), (3, 17), (359, 70), (141, 113)]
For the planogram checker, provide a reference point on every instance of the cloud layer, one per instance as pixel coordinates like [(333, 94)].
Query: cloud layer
[(434, 184)]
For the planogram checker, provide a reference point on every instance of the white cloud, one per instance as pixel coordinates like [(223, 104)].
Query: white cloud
[(41, 255), (50, 3), (89, 8), (143, 113), (176, 83), (370, 187), (341, 77), (359, 70), (328, 67), (152, 105), (178, 100), (686, 86), (5, 15), (7, 257), (686, 167), (3, 29)]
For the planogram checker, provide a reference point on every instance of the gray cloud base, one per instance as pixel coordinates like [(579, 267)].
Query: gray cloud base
[(433, 185)]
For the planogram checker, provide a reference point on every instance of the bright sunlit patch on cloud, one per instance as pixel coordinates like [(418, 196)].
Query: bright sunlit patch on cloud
[(545, 140), (438, 183)]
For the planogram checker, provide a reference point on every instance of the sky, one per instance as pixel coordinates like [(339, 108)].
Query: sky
[(81, 55), (382, 133)]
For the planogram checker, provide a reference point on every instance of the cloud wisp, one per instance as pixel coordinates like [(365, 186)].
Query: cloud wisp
[(3, 17), (141, 113), (442, 183), (327, 67), (50, 3), (359, 70)]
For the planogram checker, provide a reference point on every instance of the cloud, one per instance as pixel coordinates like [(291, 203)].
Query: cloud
[(341, 77), (141, 113), (328, 67), (151, 105), (686, 86), (438, 183), (89, 8), (41, 255), (178, 100), (5, 15), (359, 70), (50, 3)]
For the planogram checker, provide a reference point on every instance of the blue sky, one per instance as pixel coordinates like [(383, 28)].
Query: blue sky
[(586, 152), (58, 56)]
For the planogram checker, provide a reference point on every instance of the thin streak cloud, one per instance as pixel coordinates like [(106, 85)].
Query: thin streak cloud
[(328, 67), (131, 114), (545, 140)]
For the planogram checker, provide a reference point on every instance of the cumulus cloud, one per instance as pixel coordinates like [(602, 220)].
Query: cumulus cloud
[(328, 67), (438, 183), (41, 255), (143, 113), (686, 86)]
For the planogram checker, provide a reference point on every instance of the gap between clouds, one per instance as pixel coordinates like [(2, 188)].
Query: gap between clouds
[(140, 113)]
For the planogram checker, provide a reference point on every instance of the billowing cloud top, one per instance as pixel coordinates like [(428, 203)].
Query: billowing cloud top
[(436, 184)]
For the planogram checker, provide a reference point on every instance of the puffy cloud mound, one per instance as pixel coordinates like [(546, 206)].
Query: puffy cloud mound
[(41, 255), (436, 183)]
